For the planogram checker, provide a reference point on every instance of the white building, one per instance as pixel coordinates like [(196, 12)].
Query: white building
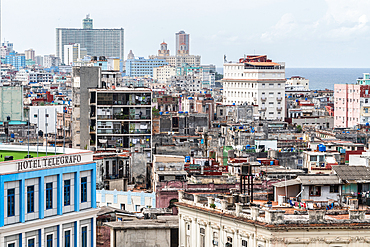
[(30, 54), (298, 81), (45, 117), (72, 53), (161, 74), (48, 201), (256, 80), (125, 200), (51, 60)]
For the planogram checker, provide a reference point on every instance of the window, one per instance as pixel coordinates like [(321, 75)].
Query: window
[(67, 192), (321, 158), (67, 238), (215, 239), (49, 195), (366, 110), (11, 245), (244, 243), (30, 199), (315, 190), (31, 242), (123, 206), (84, 236), (366, 101), (229, 242), (11, 203), (49, 240), (313, 158), (202, 237), (334, 189), (84, 189)]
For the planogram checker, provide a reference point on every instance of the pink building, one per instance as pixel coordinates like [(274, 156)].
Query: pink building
[(346, 105)]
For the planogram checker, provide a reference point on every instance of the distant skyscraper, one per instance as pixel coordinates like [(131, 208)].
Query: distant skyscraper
[(30, 54), (39, 60), (182, 42), (87, 23), (98, 42)]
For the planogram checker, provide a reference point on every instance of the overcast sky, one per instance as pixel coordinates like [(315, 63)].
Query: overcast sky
[(314, 33)]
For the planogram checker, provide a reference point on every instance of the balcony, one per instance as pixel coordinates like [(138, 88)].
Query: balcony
[(279, 98), (263, 98), (263, 108), (279, 108)]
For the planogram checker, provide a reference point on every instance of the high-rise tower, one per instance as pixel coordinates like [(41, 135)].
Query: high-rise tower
[(182, 42)]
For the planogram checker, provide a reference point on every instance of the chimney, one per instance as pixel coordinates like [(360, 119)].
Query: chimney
[(274, 216), (356, 214), (211, 200), (255, 212), (196, 199), (224, 204), (181, 195), (316, 216), (238, 208)]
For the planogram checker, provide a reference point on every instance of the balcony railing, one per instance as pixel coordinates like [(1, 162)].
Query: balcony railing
[(279, 98)]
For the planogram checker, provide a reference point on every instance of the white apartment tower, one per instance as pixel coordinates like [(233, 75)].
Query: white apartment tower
[(256, 80)]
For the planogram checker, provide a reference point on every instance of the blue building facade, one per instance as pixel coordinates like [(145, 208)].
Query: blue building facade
[(48, 201), (142, 67), (18, 61)]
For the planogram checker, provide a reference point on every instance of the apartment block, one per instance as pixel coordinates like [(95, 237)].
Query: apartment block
[(256, 80)]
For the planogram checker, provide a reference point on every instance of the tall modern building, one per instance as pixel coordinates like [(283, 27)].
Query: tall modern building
[(256, 80), (182, 43), (30, 54), (72, 53), (98, 42)]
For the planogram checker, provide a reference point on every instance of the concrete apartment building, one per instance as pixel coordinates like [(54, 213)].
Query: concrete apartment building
[(298, 81), (30, 54), (48, 201), (142, 67), (256, 80), (346, 105), (161, 74), (98, 42), (107, 117)]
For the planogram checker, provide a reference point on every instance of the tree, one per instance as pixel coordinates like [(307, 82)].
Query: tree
[(155, 111), (299, 128)]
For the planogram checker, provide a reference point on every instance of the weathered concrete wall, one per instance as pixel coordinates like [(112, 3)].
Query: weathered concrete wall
[(138, 167), (325, 194), (83, 79), (143, 238)]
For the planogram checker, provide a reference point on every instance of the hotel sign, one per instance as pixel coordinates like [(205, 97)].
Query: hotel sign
[(48, 162)]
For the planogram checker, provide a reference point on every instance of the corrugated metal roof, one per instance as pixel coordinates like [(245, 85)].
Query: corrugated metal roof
[(353, 173), (287, 183), (319, 180)]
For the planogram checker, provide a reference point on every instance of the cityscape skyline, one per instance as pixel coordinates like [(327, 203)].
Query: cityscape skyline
[(315, 34)]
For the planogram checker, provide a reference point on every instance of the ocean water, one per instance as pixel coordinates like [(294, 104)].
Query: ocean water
[(321, 78)]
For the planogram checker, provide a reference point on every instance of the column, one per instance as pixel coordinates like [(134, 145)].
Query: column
[(41, 237), (77, 233), (22, 239), (182, 230), (93, 188), (112, 237), (2, 205), (77, 191), (209, 235), (60, 194), (93, 230), (59, 235), (2, 241), (41, 197), (194, 230), (21, 201)]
